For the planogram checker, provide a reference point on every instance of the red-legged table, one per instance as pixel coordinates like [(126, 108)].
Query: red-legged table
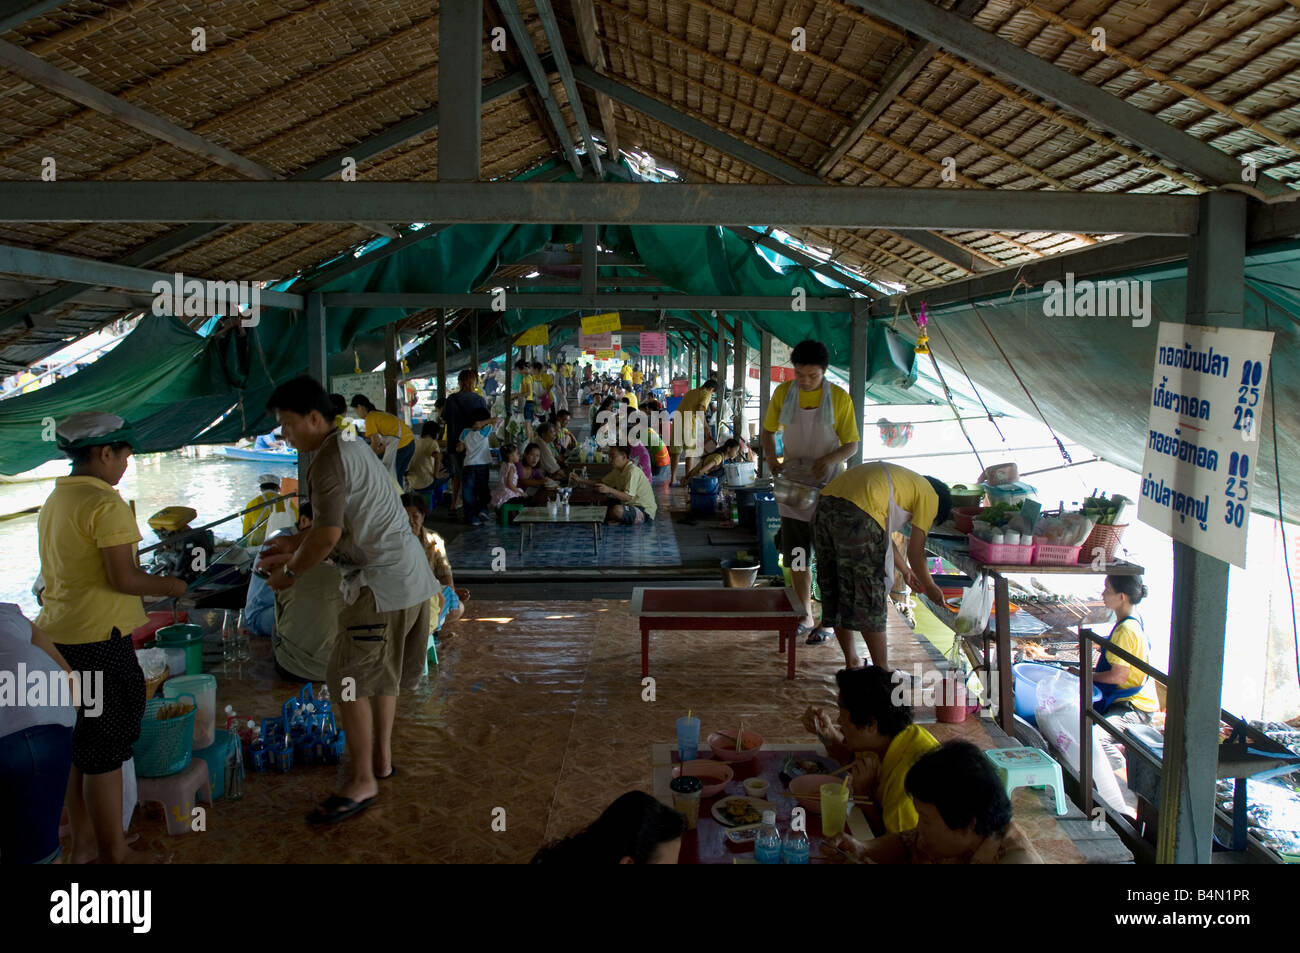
[(712, 610)]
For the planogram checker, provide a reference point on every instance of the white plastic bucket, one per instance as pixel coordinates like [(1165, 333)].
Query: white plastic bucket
[(740, 474)]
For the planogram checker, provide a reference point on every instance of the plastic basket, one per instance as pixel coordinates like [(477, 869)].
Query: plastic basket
[(1050, 554), (1000, 554), (1106, 538), (164, 747)]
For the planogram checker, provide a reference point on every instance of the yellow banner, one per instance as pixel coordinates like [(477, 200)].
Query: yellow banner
[(604, 355), (534, 336), (601, 323)]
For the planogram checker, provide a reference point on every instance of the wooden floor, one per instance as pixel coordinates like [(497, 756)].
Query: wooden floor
[(538, 715)]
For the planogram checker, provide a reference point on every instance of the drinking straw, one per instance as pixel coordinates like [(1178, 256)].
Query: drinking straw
[(740, 743)]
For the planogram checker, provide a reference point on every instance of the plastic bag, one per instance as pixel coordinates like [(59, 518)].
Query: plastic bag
[(152, 662), (976, 605), (1057, 712)]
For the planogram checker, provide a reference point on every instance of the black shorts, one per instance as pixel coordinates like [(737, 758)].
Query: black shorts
[(796, 534), (103, 742)]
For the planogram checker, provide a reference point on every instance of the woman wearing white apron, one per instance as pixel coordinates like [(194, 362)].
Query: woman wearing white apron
[(856, 514), (820, 433)]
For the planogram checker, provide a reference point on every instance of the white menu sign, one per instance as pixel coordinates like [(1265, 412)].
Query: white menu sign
[(1207, 398)]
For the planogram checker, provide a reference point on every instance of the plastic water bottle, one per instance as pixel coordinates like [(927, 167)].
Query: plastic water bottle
[(795, 848), (767, 847), (235, 770)]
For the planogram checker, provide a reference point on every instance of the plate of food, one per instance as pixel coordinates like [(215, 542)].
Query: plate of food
[(740, 811), (797, 765)]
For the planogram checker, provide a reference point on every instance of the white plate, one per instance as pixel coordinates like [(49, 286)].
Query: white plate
[(725, 820)]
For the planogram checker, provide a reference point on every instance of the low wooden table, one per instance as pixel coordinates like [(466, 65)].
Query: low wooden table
[(708, 844), (531, 515), (712, 610)]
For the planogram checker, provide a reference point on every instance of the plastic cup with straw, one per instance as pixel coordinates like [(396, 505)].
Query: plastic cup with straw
[(688, 738)]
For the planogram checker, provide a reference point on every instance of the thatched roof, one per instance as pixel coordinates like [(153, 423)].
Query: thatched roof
[(287, 84)]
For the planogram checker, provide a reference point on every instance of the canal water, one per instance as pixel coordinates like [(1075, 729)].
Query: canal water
[(214, 485)]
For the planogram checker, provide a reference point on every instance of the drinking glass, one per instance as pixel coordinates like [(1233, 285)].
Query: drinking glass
[(835, 805), (688, 738)]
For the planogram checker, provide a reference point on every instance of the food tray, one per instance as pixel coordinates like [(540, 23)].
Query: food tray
[(999, 554), (1048, 554)]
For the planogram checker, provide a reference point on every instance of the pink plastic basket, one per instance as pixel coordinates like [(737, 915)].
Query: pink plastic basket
[(1047, 554), (1000, 554)]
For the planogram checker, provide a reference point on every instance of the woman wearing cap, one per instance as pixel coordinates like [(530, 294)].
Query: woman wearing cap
[(87, 536)]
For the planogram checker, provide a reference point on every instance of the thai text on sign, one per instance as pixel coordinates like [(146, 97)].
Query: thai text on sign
[(1199, 468), (600, 323), (534, 336), (596, 342), (654, 345)]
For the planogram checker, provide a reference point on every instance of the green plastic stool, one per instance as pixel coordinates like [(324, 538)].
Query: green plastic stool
[(503, 514), (1029, 767)]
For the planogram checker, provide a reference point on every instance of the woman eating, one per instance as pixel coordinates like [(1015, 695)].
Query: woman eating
[(963, 816), (876, 734), (531, 478)]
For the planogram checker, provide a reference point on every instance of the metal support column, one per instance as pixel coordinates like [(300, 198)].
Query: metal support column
[(764, 385), (442, 354), (510, 373), (460, 90), (589, 259), (317, 367), (1215, 294), (391, 369), (739, 352), (858, 370), (473, 345)]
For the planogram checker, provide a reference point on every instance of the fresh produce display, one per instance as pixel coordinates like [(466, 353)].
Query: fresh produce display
[(1103, 511), (999, 514)]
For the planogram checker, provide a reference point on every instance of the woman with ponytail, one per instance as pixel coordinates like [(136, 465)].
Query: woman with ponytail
[(1126, 693)]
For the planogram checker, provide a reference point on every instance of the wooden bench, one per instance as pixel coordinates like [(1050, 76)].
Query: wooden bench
[(713, 610)]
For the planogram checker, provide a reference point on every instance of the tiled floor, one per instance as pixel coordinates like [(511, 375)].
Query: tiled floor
[(538, 710), (560, 545)]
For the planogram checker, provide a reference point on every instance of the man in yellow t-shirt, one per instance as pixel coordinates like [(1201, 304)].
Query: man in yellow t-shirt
[(527, 389), (86, 535), (690, 423), (873, 729), (856, 514), (637, 378), (631, 489), (259, 510), (381, 424), (820, 432), (627, 372)]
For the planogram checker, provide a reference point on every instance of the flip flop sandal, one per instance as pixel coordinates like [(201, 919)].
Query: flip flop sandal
[(819, 636), (802, 629), (328, 811), (392, 770)]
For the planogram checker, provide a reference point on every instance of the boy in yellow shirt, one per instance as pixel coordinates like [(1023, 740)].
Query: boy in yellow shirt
[(87, 539)]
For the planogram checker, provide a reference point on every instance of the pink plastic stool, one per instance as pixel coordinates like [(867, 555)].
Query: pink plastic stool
[(175, 793)]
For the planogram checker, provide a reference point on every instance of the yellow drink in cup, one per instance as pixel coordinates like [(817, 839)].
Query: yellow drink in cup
[(835, 808)]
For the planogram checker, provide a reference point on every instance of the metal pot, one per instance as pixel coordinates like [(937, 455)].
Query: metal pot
[(790, 493), (738, 575)]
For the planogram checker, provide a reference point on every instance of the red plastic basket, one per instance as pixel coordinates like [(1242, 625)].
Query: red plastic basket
[(1000, 554), (1048, 554)]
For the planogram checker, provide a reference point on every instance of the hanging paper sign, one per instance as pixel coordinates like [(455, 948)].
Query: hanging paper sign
[(534, 336), (780, 374), (596, 342), (600, 323), (753, 372), (372, 385), (654, 345), (681, 387), (1198, 473), (637, 328), (605, 355)]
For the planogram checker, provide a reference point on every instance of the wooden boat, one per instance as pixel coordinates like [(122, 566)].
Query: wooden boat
[(262, 456)]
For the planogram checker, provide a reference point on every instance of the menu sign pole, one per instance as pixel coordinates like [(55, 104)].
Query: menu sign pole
[(1198, 472)]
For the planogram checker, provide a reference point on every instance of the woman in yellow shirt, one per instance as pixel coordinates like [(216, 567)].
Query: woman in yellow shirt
[(1126, 693), (874, 730), (381, 424), (87, 538)]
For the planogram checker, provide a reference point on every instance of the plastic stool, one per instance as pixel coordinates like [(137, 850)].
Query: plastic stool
[(1029, 767), (175, 793), (503, 514)]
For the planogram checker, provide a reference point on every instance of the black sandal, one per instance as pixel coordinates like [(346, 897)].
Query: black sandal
[(820, 635), (328, 811)]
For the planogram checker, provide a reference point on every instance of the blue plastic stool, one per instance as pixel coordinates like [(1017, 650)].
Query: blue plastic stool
[(1029, 767)]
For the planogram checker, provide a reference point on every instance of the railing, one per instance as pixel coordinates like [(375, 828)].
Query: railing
[(1088, 716)]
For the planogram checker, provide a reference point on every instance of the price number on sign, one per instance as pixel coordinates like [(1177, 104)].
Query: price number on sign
[(1252, 372), (1238, 489)]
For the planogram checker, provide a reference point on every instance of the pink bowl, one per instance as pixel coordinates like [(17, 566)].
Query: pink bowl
[(723, 745), (715, 774), (808, 788)]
